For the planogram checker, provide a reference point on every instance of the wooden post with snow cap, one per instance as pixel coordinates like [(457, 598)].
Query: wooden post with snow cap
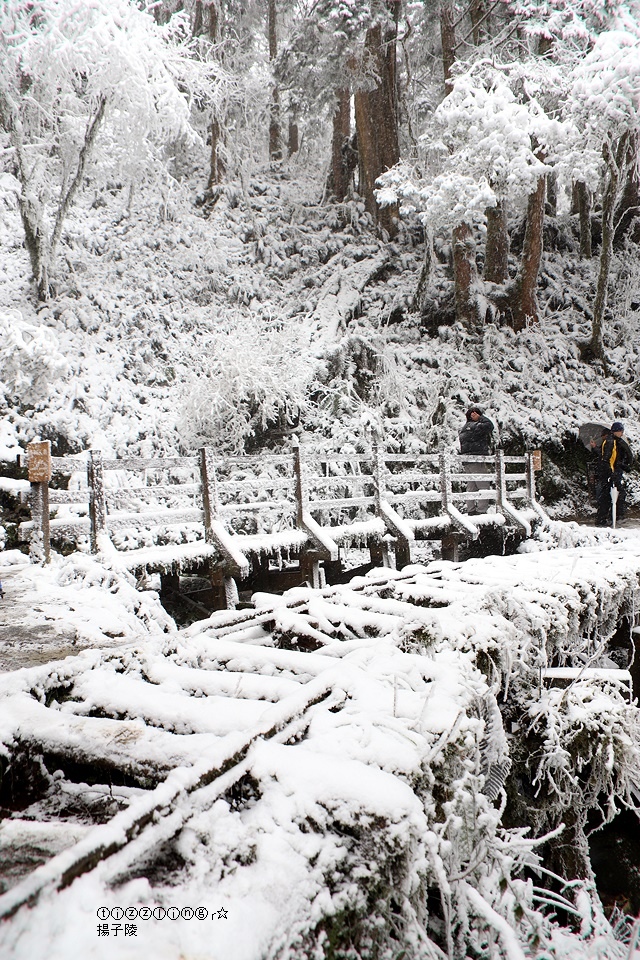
[(445, 482), (461, 523), (322, 546), (501, 482), (399, 529), (384, 549), (224, 587), (302, 494), (40, 471), (209, 481), (97, 499)]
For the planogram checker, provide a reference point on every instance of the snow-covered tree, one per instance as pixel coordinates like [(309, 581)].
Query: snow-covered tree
[(485, 148), (86, 91), (336, 49), (604, 104)]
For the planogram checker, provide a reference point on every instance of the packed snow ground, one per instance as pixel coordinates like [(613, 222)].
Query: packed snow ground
[(361, 802)]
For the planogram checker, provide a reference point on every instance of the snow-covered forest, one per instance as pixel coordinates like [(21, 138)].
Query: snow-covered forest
[(253, 225)]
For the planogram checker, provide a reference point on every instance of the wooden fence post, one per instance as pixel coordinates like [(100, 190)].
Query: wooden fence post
[(211, 510), (501, 482), (450, 542), (382, 553), (210, 501), (445, 481), (97, 499), (378, 471), (40, 471), (302, 494), (310, 561)]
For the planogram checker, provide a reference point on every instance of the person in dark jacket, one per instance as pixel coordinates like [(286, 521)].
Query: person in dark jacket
[(614, 460), (475, 439)]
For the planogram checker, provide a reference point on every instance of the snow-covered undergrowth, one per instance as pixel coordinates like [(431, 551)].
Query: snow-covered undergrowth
[(181, 324), (417, 809), (82, 600)]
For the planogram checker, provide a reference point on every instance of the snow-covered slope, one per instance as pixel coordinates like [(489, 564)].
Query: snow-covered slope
[(177, 322)]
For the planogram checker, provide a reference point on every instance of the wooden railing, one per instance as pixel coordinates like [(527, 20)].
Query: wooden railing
[(164, 513)]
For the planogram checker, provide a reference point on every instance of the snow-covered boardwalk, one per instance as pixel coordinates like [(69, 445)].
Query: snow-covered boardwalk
[(233, 516), (278, 764)]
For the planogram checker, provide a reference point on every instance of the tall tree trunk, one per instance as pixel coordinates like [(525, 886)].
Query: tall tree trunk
[(217, 166), (205, 21), (275, 148), (496, 259), (478, 15), (575, 200), (377, 123), (448, 38), (198, 19), (614, 164), (162, 12), (293, 142), (465, 274), (552, 194), (627, 216), (522, 295), (339, 175), (583, 199)]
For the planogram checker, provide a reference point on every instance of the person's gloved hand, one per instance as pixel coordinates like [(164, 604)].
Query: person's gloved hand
[(617, 477)]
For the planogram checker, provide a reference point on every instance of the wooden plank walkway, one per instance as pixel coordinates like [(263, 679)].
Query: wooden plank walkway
[(233, 516)]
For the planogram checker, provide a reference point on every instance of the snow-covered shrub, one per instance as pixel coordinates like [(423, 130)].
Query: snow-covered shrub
[(253, 373), (30, 361), (587, 740)]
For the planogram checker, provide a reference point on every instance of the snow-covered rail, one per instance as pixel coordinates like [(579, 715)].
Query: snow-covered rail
[(234, 514)]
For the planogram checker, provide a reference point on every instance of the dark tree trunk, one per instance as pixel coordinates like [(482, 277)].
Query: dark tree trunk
[(217, 167), (465, 274), (162, 12), (568, 854), (293, 144), (420, 296), (275, 147), (545, 45), (478, 15), (496, 261), (205, 20), (614, 165), (552, 194), (36, 242), (575, 200), (628, 209), (583, 200), (198, 19), (448, 37), (522, 295), (377, 124), (340, 173)]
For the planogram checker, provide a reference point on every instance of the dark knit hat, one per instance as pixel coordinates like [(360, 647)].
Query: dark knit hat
[(477, 410), (616, 426)]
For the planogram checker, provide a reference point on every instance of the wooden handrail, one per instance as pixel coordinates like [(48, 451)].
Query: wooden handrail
[(442, 481)]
